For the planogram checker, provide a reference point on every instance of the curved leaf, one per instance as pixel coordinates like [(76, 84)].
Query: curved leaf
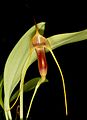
[(15, 62), (63, 39)]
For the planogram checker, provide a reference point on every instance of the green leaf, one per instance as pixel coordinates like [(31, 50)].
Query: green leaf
[(63, 39), (15, 62), (27, 87)]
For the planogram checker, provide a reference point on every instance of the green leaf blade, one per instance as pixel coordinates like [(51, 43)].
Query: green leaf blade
[(17, 59), (67, 38), (15, 62)]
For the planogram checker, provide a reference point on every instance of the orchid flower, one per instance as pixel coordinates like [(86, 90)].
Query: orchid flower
[(33, 45)]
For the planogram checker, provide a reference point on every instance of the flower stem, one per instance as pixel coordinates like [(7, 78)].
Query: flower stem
[(21, 102)]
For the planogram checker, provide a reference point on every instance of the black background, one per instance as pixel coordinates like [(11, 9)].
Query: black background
[(16, 17)]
